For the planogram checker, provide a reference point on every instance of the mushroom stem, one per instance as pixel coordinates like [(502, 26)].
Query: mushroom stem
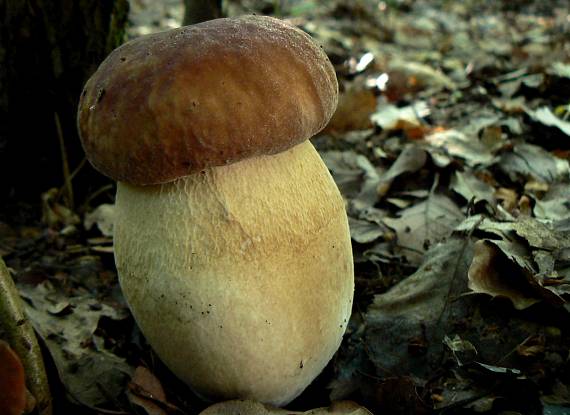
[(240, 276)]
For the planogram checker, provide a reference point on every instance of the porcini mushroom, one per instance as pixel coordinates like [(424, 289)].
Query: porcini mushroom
[(231, 238)]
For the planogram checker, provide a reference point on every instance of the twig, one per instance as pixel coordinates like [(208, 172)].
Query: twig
[(77, 169), (95, 194), (65, 165)]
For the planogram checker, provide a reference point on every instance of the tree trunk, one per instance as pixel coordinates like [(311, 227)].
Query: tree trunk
[(197, 11), (48, 49)]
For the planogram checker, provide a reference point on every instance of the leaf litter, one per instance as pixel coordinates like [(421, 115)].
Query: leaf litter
[(451, 147)]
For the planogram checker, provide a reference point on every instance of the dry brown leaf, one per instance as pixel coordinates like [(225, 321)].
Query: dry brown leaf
[(507, 197), (493, 274), (532, 347), (353, 111), (146, 391), (12, 381)]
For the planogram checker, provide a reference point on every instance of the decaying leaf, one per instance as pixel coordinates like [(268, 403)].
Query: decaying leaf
[(54, 213), (410, 160), (545, 116), (389, 117), (399, 395), (511, 83), (12, 381), (353, 111), (369, 191), (356, 177), (363, 231), (463, 350), (457, 144), (560, 395), (405, 326), (509, 198), (555, 204), (245, 407), (424, 224), (146, 391), (491, 273), (471, 188), (424, 75), (347, 169), (560, 69), (480, 123), (95, 378), (528, 160), (90, 374), (103, 216), (524, 263)]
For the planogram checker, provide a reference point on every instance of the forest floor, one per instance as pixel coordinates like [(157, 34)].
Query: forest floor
[(451, 146)]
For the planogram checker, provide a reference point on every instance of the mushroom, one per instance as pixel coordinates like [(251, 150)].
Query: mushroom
[(245, 407), (231, 238)]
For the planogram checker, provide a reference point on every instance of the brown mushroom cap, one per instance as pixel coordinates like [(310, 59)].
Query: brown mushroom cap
[(170, 104)]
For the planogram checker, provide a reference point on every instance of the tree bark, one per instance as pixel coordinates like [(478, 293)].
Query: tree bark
[(48, 49)]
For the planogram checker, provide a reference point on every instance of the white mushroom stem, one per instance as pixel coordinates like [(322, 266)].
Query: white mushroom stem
[(241, 276)]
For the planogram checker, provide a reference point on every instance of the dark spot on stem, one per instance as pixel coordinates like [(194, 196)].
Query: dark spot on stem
[(100, 95)]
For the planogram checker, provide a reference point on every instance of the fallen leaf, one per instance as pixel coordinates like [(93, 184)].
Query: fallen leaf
[(528, 160), (471, 188), (90, 373), (410, 160), (363, 231), (546, 117), (356, 177), (457, 144), (421, 226), (492, 274), (103, 216), (399, 395), (389, 117), (12, 381), (510, 83), (555, 204), (560, 395), (353, 111), (369, 191), (405, 327), (420, 307), (508, 197), (525, 261), (463, 350), (425, 75), (477, 124), (560, 69), (347, 171), (146, 391), (54, 213), (532, 347)]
